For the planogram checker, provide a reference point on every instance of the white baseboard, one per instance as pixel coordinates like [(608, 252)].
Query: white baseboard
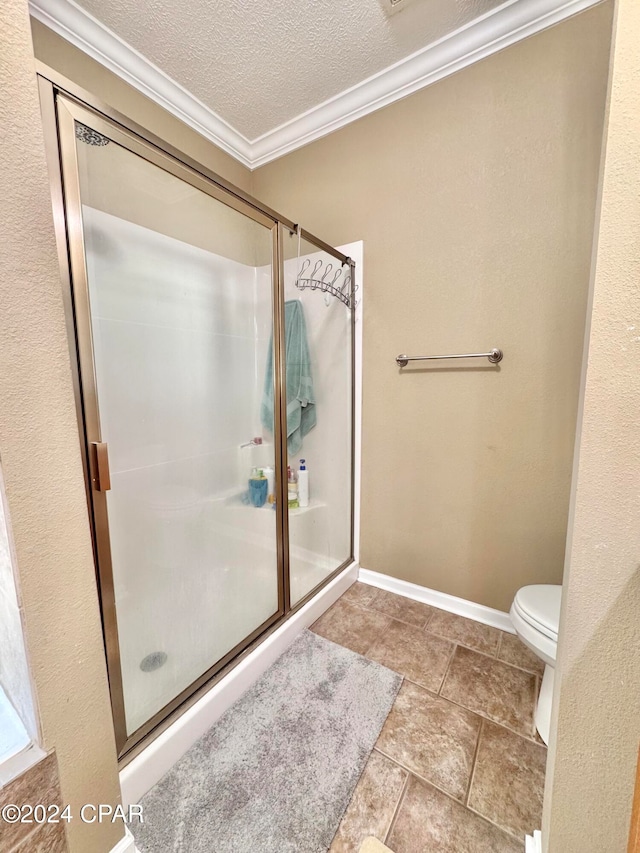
[(11, 768), (126, 844), (533, 843), (460, 606), (152, 763)]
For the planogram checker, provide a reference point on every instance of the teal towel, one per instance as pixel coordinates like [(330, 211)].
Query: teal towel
[(301, 404)]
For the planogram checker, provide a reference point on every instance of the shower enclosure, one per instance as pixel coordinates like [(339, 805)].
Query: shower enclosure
[(209, 361)]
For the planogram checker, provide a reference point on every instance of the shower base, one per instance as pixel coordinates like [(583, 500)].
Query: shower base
[(212, 580), (150, 765)]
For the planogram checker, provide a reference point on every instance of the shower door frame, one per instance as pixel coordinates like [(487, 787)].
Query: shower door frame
[(62, 103)]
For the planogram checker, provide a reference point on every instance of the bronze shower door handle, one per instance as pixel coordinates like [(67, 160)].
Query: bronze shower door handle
[(100, 477)]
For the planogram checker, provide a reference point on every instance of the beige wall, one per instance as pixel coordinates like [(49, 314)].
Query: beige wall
[(475, 199), (597, 701), (41, 460)]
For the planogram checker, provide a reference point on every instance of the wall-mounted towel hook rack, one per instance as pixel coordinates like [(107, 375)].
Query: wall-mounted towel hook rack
[(494, 355)]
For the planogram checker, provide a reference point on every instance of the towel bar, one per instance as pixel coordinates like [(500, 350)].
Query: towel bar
[(495, 355)]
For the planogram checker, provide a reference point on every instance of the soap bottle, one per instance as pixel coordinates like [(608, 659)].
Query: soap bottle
[(292, 488), (257, 488), (303, 484)]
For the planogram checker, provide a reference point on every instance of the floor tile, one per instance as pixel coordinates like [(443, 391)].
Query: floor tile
[(372, 805), (431, 737), (404, 609), (493, 689), (372, 845), (38, 784), (508, 780), (351, 626), (418, 655), (512, 650), (359, 593), (430, 821), (467, 632), (47, 838)]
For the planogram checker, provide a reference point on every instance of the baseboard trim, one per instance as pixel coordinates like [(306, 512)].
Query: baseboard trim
[(451, 603), (147, 768), (533, 843), (126, 844), (19, 763)]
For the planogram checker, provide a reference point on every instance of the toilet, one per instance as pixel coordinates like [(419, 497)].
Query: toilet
[(535, 615)]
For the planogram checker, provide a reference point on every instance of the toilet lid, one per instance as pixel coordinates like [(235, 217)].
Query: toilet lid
[(539, 605)]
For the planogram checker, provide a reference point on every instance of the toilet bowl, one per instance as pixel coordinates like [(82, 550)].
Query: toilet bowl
[(535, 615)]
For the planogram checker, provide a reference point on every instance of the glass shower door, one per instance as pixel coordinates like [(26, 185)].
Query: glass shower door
[(173, 290), (319, 329)]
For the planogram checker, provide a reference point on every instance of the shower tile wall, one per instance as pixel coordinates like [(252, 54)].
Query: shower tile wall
[(320, 536), (327, 448), (176, 349), (186, 309)]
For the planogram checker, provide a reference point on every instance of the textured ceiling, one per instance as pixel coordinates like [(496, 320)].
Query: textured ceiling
[(261, 63)]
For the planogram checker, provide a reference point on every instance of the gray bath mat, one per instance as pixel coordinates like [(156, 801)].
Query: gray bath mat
[(276, 772)]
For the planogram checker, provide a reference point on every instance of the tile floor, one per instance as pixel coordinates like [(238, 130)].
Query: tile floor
[(458, 766)]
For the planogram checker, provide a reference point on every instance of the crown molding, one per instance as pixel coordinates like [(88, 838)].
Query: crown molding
[(486, 35), (87, 33), (501, 27)]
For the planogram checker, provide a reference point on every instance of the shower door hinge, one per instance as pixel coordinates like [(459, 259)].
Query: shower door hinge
[(100, 477)]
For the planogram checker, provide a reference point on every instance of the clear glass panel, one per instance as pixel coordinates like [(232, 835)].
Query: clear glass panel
[(180, 289), (319, 415)]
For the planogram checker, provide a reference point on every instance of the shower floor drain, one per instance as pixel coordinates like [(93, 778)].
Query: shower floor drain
[(153, 661)]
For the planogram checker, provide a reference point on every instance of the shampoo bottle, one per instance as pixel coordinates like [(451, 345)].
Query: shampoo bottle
[(270, 474), (303, 484), (292, 488)]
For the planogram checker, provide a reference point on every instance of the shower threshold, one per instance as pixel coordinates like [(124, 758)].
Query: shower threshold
[(145, 765)]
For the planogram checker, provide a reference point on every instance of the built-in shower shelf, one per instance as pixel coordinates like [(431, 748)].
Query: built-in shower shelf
[(313, 504), (302, 509)]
